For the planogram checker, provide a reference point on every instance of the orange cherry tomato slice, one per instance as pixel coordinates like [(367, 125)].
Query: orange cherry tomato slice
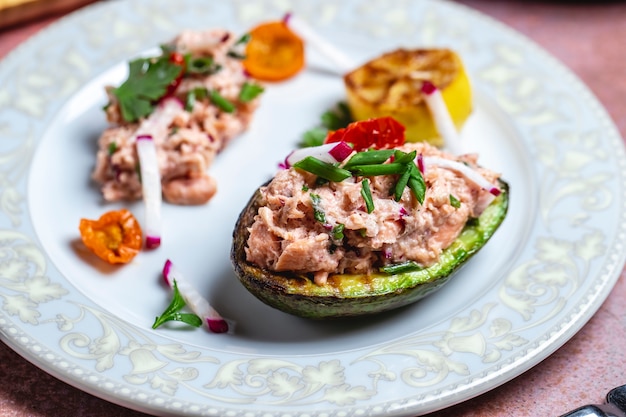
[(379, 133), (115, 237), (274, 52)]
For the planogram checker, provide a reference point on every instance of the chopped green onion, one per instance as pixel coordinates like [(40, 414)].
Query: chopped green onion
[(198, 93), (201, 65), (382, 169), (416, 183), (318, 212), (369, 158), (245, 38), (401, 267), (221, 102), (323, 169), (366, 193), (401, 184), (403, 157), (112, 148), (454, 202), (249, 91), (305, 188), (338, 231)]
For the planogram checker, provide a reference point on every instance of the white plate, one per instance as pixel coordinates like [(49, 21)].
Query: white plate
[(541, 277)]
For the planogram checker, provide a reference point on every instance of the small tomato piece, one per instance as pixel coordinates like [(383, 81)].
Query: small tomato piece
[(115, 237), (274, 52), (378, 133), (176, 58)]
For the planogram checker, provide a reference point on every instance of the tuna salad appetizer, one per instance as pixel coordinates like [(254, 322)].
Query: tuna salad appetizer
[(376, 209), (191, 99)]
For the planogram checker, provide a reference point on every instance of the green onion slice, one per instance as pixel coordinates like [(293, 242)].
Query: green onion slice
[(416, 183), (401, 267), (369, 158), (382, 169), (221, 102), (322, 169), (366, 193)]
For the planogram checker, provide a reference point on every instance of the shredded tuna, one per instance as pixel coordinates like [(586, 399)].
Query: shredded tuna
[(194, 138), (286, 237)]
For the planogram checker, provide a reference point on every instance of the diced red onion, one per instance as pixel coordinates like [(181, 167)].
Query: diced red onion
[(420, 163), (198, 304), (329, 152), (343, 63), (441, 116), (463, 169)]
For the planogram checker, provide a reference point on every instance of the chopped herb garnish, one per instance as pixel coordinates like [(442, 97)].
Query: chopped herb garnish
[(323, 169), (417, 184), (148, 79), (249, 91), (219, 100), (333, 119), (363, 232), (318, 212), (400, 157), (454, 202), (245, 38), (380, 169), (338, 231), (198, 93), (366, 193), (369, 157), (305, 188), (112, 148), (203, 65), (401, 267), (313, 137), (337, 118), (401, 184), (172, 312)]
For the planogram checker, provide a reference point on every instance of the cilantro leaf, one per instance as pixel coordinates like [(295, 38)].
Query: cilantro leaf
[(337, 117), (332, 119), (148, 79), (172, 312)]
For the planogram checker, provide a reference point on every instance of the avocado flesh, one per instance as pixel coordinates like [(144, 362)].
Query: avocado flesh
[(350, 295)]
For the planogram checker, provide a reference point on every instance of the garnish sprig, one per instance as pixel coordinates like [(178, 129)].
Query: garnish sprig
[(173, 312)]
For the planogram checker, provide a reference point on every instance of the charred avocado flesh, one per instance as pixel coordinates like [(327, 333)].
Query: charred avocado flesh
[(357, 295)]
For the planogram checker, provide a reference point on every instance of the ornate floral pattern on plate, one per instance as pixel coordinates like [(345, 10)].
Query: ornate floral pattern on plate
[(541, 278)]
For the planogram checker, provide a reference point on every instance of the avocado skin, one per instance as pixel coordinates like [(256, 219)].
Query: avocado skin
[(359, 295)]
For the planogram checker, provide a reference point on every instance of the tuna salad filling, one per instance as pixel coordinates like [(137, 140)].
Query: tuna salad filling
[(202, 70), (319, 228)]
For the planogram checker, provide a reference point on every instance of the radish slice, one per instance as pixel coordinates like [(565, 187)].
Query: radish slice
[(330, 152), (463, 169), (441, 117), (306, 32), (198, 304), (152, 129), (151, 189)]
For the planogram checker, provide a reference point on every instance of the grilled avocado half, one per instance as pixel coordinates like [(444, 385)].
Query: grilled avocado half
[(357, 295)]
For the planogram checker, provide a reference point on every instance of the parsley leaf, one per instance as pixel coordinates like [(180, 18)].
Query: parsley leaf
[(148, 79)]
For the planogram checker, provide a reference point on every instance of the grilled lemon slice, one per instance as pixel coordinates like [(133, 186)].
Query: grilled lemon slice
[(390, 85)]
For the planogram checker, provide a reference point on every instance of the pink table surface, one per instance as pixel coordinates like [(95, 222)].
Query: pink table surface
[(587, 37)]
